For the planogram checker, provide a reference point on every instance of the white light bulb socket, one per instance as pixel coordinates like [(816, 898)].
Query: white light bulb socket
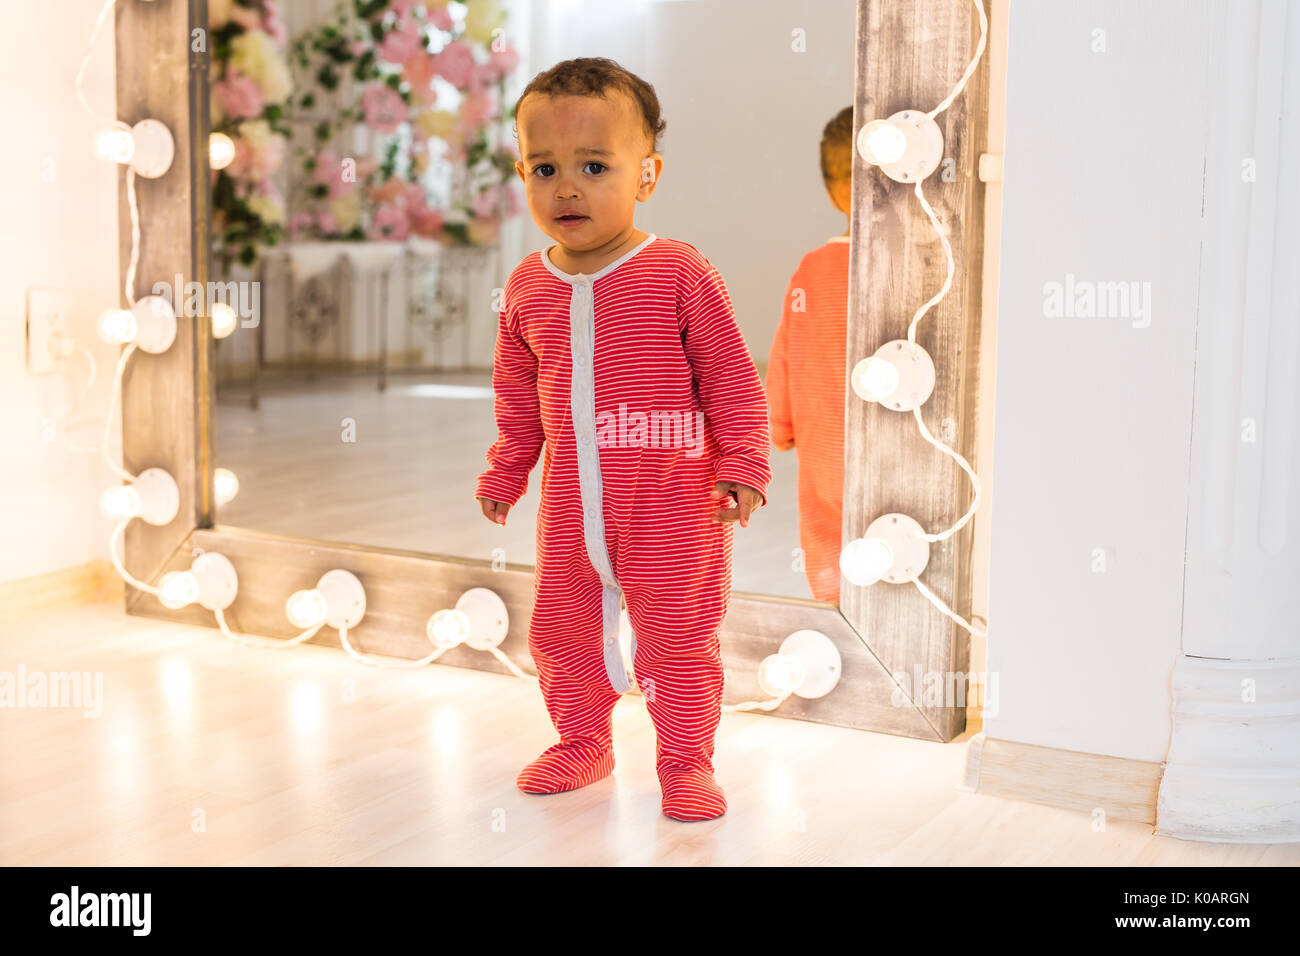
[(913, 376), (921, 140), (344, 596), (155, 324), (160, 498), (154, 148), (819, 659), (907, 542), (218, 583), (489, 622)]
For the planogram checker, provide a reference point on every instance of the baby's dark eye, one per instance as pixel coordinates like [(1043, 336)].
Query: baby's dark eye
[(600, 166), (538, 169)]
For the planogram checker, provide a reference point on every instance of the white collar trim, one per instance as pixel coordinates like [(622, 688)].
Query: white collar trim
[(604, 270)]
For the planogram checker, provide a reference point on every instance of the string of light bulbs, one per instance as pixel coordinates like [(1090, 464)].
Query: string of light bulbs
[(900, 375)]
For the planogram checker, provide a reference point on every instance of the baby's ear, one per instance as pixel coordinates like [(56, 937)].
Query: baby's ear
[(651, 168)]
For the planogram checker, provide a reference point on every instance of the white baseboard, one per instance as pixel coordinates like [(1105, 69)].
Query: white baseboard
[(1233, 771)]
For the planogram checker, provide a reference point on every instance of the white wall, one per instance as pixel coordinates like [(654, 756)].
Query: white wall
[(61, 235), (1103, 180)]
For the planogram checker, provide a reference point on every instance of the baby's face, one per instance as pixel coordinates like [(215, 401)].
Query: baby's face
[(586, 163)]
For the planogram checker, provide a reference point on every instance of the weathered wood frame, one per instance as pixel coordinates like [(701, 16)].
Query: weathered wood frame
[(167, 400)]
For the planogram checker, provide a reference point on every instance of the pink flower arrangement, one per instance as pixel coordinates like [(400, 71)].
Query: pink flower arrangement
[(388, 222), (455, 64), (402, 42), (419, 72), (384, 108), (238, 96)]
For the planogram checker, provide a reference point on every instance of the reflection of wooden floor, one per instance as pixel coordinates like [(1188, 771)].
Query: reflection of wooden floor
[(418, 767), (408, 480)]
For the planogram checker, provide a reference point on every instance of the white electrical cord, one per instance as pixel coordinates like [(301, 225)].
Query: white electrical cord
[(921, 312), (772, 704), (117, 562), (267, 642), (371, 662), (81, 70), (970, 70)]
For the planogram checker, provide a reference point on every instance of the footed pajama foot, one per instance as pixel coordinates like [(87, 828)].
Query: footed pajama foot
[(566, 767), (691, 793)]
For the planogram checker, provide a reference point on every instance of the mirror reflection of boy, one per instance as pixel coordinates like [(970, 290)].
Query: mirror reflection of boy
[(607, 319), (806, 375)]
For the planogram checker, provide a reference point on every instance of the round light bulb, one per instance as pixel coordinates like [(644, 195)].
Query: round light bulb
[(221, 150), (875, 378), (448, 627), (882, 142), (178, 589), (120, 502), (224, 320), (306, 608), (864, 561), (224, 485), (780, 674), (117, 326), (114, 145)]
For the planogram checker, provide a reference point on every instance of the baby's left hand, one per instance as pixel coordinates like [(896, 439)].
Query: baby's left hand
[(744, 501)]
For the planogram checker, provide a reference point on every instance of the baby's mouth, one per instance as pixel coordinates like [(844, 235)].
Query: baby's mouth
[(571, 218)]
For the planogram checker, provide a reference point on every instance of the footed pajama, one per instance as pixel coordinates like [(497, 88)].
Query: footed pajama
[(637, 380)]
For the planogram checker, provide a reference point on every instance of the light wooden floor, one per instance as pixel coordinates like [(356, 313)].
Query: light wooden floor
[(306, 757)]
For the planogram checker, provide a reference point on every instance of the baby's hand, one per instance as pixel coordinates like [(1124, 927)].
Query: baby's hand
[(735, 501), (494, 511)]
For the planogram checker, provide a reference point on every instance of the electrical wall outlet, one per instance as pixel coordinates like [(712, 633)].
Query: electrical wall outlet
[(44, 321)]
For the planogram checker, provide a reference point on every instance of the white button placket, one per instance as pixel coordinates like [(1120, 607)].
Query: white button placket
[(582, 323)]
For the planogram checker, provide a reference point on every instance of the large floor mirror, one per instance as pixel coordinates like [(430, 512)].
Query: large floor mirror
[(354, 409)]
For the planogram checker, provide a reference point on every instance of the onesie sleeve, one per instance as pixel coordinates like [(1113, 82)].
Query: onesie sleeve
[(729, 387), (778, 380), (518, 415)]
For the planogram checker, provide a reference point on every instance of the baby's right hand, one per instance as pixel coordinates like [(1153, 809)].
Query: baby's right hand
[(494, 511)]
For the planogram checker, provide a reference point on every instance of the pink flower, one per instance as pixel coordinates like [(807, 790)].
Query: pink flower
[(426, 222), (414, 196), (325, 220), (485, 204), (300, 221), (273, 26), (403, 8), (387, 192), (475, 110), (254, 164), (366, 167), (388, 222), (505, 60), (482, 76), (384, 108), (402, 42), (238, 96), (455, 64), (440, 17), (419, 71), (358, 48), (329, 172)]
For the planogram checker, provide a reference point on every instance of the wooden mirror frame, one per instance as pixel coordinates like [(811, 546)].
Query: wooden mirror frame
[(168, 399)]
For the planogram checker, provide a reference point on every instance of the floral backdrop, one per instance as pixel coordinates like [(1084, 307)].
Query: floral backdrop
[(424, 80)]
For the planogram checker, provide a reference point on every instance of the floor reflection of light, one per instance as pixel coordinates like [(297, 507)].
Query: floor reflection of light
[(306, 709), (178, 690), (448, 734), (433, 390)]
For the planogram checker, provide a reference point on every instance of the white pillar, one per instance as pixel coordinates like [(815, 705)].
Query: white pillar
[(1233, 768)]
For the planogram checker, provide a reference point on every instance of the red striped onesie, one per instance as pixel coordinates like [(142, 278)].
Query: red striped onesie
[(638, 381), (805, 391)]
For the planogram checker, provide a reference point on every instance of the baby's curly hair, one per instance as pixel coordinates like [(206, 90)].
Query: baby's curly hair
[(837, 147), (592, 76)]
